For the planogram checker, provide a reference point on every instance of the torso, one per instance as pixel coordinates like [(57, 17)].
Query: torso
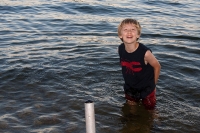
[(137, 73)]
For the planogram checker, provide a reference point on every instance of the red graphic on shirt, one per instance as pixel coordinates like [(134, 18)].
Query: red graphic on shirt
[(131, 67)]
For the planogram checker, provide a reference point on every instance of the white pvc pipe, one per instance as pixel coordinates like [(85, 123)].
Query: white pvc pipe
[(90, 117)]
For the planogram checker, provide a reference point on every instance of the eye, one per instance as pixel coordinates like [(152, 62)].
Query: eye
[(125, 30)]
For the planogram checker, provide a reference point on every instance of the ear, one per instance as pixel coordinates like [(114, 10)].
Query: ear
[(138, 36), (120, 36)]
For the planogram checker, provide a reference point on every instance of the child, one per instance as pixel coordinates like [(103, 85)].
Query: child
[(140, 68)]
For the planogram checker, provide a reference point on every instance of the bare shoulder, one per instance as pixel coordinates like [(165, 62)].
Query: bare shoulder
[(150, 58), (148, 54)]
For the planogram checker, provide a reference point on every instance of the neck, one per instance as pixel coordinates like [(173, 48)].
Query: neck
[(131, 47)]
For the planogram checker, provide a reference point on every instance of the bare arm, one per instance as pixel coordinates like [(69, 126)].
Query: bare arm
[(150, 58)]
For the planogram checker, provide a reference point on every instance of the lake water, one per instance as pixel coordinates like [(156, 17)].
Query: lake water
[(55, 55)]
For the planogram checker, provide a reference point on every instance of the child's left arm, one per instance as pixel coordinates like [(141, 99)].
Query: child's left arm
[(150, 58)]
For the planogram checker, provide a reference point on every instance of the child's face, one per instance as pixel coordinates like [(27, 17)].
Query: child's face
[(129, 33)]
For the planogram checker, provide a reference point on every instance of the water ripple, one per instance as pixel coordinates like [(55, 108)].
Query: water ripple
[(55, 55)]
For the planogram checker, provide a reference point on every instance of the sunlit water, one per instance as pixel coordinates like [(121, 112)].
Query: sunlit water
[(55, 55)]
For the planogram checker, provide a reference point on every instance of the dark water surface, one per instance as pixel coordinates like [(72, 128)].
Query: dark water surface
[(55, 55)]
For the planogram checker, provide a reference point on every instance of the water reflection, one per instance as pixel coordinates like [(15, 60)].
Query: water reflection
[(137, 119)]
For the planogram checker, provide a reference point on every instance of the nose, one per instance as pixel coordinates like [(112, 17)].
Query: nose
[(129, 31)]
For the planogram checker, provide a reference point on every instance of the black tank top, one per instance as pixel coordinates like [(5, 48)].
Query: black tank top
[(138, 77)]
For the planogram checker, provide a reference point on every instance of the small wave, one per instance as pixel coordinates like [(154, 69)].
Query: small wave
[(185, 37)]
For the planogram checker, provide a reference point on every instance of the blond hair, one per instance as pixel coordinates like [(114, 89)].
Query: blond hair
[(129, 21)]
